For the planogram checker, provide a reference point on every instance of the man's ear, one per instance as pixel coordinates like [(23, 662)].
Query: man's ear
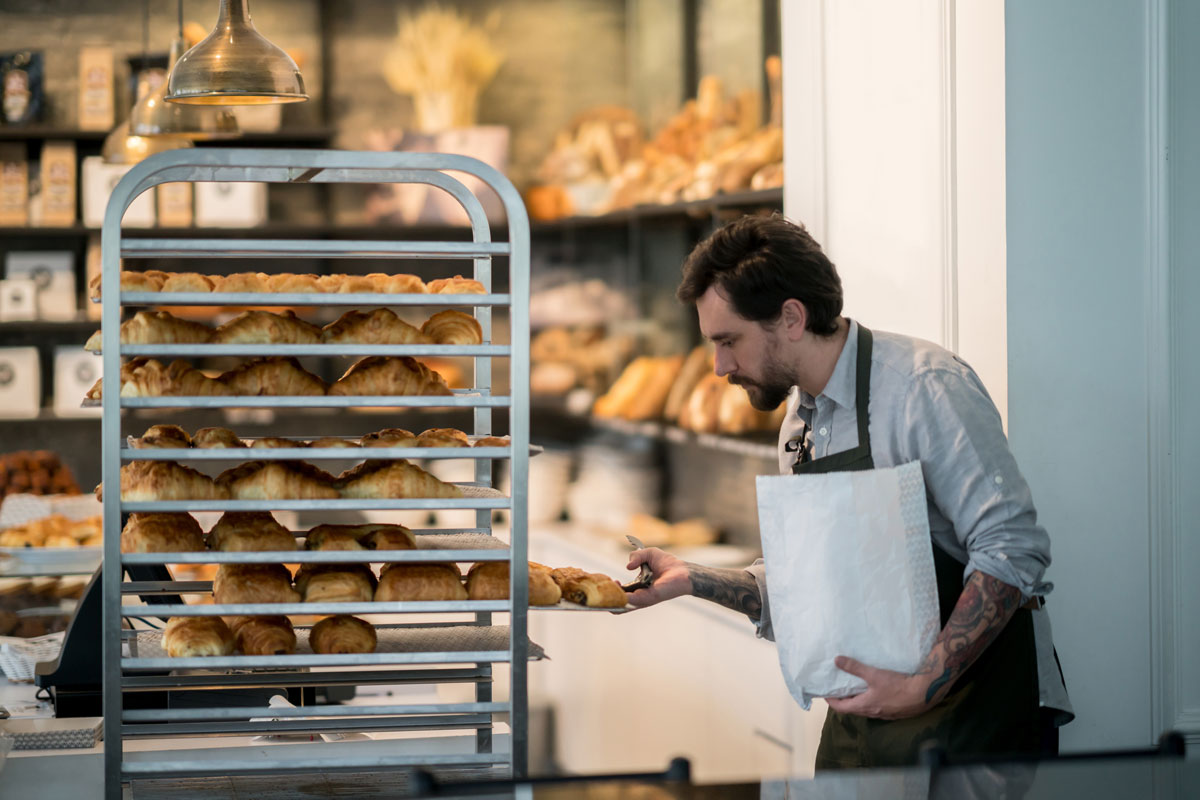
[(794, 317)]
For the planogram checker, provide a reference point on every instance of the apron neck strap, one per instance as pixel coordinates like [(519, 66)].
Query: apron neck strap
[(862, 387)]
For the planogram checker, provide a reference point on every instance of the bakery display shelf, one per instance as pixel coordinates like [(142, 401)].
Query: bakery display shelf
[(460, 399), (308, 299), (677, 435), (692, 208), (462, 651)]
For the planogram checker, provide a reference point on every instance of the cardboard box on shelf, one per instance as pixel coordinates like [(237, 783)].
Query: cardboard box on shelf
[(96, 108), (75, 372), (18, 300), (58, 184), (99, 180), (20, 383), (14, 184), (230, 205), (54, 275), (175, 205)]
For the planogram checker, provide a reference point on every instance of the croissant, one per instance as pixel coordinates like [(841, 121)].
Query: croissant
[(242, 282), (163, 437), (361, 284), (277, 480), (453, 327), (493, 441), (332, 441), (489, 581), (380, 326), (264, 327), (145, 377), (589, 589), (404, 284), (263, 636), (190, 637), (456, 285), (388, 479), (384, 375), (416, 582), (389, 437), (249, 532), (131, 281), (253, 583), (342, 634), (217, 439), (162, 533), (187, 282), (274, 376), (330, 284), (443, 437), (164, 480), (336, 583), (289, 283), (275, 442), (155, 327)]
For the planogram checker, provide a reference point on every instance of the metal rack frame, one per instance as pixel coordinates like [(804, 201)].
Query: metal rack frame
[(127, 674)]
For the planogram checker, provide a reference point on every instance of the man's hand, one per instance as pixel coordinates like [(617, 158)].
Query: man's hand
[(671, 577), (889, 695)]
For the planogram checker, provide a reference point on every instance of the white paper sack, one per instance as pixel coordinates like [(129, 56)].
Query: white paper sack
[(849, 565)]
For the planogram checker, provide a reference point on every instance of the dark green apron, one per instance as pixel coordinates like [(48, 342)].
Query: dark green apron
[(993, 707)]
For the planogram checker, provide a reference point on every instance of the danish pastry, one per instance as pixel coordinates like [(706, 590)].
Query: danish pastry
[(162, 533), (589, 589), (380, 326), (389, 437), (456, 285), (489, 581), (417, 582), (186, 282), (392, 479), (277, 480), (162, 437), (217, 439), (253, 583), (155, 327), (240, 282), (265, 327), (453, 327), (276, 376), (263, 636), (336, 583), (385, 375), (342, 634), (143, 481), (249, 532), (443, 437), (191, 637)]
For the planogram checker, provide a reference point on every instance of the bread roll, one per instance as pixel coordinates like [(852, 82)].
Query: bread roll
[(277, 480), (453, 327), (143, 481), (699, 413), (380, 326), (264, 636), (333, 537), (162, 533), (420, 582), (392, 479), (217, 439), (489, 581), (274, 376), (192, 637), (589, 589), (265, 327), (163, 437), (386, 375), (249, 532), (342, 634), (456, 285), (493, 441), (443, 437), (253, 583), (155, 327), (698, 364), (336, 583), (389, 537)]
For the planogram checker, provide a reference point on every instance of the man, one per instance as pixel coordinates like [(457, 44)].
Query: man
[(770, 301)]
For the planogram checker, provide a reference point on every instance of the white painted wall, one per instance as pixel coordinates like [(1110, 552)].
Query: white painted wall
[(894, 115)]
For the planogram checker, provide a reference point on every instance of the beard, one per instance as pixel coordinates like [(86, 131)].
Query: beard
[(768, 392)]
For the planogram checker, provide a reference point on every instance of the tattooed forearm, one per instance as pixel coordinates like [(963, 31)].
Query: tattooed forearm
[(732, 588), (982, 611)]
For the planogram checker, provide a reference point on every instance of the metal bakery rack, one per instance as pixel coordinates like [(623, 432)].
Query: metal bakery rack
[(408, 653)]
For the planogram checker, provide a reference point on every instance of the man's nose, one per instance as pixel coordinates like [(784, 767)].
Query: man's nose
[(723, 364)]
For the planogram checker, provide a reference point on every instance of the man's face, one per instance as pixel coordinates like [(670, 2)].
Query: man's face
[(746, 351)]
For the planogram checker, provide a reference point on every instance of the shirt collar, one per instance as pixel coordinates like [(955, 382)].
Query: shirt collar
[(841, 387)]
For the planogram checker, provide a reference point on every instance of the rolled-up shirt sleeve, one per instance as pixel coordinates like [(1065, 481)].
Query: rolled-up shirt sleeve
[(759, 571), (953, 428)]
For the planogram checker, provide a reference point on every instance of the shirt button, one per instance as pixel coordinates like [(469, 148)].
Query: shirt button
[(824, 431), (999, 479)]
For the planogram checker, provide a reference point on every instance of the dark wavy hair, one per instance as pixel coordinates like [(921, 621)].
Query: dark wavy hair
[(758, 262)]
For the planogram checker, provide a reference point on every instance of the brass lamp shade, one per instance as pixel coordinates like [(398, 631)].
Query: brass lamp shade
[(152, 115), (120, 147), (235, 65)]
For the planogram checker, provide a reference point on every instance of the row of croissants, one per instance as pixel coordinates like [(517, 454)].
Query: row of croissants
[(173, 437), (153, 280), (148, 481), (378, 326), (276, 376)]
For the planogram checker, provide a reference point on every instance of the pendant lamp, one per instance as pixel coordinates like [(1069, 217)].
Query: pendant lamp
[(154, 116), (121, 147), (235, 65)]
